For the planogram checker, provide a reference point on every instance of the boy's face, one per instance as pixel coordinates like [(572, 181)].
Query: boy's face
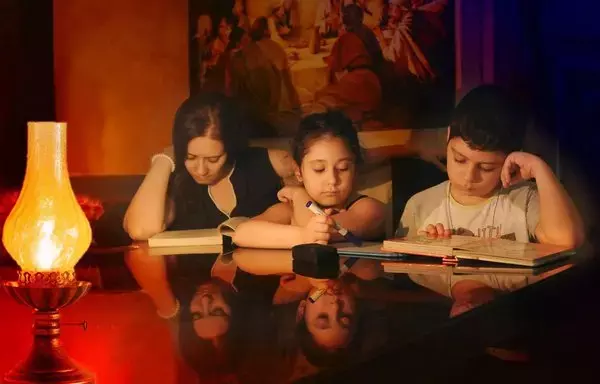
[(473, 173)]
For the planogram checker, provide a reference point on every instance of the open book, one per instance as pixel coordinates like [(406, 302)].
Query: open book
[(419, 265), (483, 249), (211, 238)]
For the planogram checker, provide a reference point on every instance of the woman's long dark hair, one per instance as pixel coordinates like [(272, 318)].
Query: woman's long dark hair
[(211, 115), (200, 354)]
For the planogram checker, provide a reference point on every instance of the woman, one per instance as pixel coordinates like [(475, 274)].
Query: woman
[(210, 175)]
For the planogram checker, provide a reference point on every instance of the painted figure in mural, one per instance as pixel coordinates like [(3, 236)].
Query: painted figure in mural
[(354, 87), (408, 29), (281, 22), (260, 76)]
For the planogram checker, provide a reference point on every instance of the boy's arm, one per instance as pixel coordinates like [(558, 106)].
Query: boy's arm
[(559, 221)]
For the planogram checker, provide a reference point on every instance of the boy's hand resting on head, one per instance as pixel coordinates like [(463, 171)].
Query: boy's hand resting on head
[(520, 166), (290, 193), (318, 230), (436, 230)]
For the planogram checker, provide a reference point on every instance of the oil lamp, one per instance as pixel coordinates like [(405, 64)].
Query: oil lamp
[(47, 233)]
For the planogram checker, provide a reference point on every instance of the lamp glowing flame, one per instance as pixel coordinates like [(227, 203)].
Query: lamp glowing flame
[(46, 229)]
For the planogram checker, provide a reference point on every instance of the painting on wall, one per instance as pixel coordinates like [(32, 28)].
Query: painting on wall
[(389, 64)]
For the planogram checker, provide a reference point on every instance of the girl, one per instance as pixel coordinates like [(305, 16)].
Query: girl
[(212, 176), (327, 151)]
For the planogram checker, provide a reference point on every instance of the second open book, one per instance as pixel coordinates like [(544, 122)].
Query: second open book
[(483, 249)]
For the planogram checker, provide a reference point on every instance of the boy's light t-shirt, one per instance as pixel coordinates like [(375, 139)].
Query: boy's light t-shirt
[(512, 213)]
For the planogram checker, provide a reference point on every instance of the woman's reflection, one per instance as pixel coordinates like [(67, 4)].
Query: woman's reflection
[(211, 330), (210, 310), (218, 314)]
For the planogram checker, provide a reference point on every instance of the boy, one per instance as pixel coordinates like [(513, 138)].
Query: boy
[(489, 192)]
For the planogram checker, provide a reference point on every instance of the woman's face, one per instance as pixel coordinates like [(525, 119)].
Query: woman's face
[(330, 320), (210, 312), (205, 160)]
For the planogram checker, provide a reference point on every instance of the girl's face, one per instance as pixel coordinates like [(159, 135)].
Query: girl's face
[(327, 172), (331, 319), (205, 160)]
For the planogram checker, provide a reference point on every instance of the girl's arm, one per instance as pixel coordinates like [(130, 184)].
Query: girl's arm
[(365, 218), (150, 212), (273, 229)]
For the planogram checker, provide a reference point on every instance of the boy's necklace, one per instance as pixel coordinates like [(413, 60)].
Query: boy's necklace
[(449, 213)]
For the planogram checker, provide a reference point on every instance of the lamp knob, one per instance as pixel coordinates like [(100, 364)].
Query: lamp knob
[(82, 324)]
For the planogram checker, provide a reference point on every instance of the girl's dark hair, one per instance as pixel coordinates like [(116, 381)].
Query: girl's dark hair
[(330, 124), (211, 115), (489, 118), (323, 357)]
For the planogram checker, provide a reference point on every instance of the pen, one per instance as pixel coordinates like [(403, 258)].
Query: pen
[(341, 230)]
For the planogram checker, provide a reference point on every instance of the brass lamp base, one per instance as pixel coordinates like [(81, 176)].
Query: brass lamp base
[(47, 361)]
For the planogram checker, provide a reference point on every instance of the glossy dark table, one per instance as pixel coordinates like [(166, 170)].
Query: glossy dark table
[(244, 317)]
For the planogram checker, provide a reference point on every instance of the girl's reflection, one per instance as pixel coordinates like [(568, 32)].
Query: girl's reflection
[(328, 329), (320, 323)]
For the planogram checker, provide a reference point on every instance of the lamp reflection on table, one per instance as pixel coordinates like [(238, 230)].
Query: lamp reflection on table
[(47, 233)]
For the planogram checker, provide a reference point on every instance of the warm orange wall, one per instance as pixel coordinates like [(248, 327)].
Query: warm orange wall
[(121, 70)]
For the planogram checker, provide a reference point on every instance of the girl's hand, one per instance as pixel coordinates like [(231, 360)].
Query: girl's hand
[(318, 230)]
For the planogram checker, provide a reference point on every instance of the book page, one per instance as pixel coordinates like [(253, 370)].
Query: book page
[(512, 249), (228, 227), (451, 242)]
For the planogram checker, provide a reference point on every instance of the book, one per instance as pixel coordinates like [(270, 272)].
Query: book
[(419, 265), (185, 250), (368, 250), (483, 249), (196, 237)]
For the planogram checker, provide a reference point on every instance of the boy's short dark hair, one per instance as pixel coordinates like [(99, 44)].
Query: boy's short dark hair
[(488, 118)]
